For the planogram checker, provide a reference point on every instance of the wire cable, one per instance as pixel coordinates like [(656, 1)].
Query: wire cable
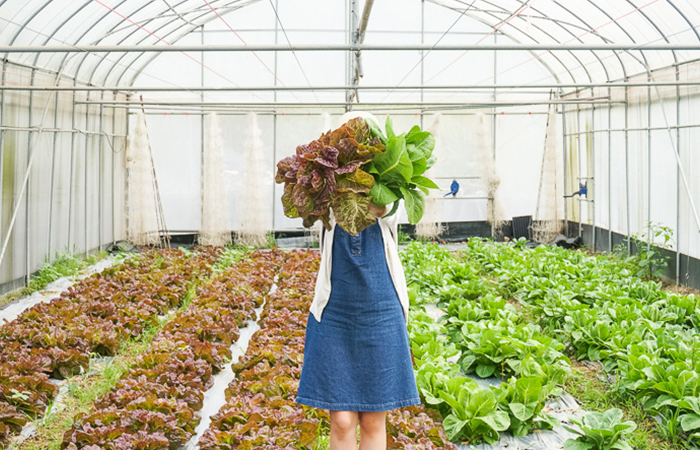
[(293, 51), (244, 43), (428, 52)]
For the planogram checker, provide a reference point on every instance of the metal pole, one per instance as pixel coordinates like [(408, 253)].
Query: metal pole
[(578, 170), (2, 137), (274, 125), (422, 56), (85, 186), (354, 46), (71, 177), (53, 171), (678, 187), (566, 169), (352, 76), (591, 181), (610, 221), (627, 171), (114, 129), (127, 179), (100, 174), (459, 88), (27, 212), (201, 134), (649, 236), (366, 11)]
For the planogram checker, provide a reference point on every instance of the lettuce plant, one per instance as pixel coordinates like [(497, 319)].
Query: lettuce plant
[(399, 172), (523, 400), (600, 431), (326, 173)]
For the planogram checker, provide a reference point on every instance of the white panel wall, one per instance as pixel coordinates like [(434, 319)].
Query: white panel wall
[(74, 198)]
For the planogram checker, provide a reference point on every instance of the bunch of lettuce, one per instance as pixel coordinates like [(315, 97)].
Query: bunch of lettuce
[(398, 172), (347, 167)]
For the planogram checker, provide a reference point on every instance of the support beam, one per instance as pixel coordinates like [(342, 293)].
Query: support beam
[(460, 88), (337, 47)]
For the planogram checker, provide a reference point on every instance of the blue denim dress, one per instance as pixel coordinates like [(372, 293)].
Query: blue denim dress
[(357, 358)]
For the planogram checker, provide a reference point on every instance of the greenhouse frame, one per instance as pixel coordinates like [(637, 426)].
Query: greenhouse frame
[(620, 76), (147, 148)]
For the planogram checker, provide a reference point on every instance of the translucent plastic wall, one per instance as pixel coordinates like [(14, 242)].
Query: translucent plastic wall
[(74, 197), (627, 152), (517, 134)]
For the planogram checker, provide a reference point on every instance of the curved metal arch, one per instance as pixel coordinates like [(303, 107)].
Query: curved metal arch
[(136, 30), (154, 56), (136, 11), (69, 56), (188, 27), (58, 28), (590, 79), (588, 28), (685, 18), (653, 24), (31, 17), (228, 8), (554, 74)]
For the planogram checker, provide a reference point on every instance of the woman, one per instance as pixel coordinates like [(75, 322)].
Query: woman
[(357, 360)]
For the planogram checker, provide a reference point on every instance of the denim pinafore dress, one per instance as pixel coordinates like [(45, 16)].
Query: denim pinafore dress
[(357, 358)]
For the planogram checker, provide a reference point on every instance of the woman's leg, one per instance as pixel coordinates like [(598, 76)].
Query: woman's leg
[(343, 430), (373, 430)]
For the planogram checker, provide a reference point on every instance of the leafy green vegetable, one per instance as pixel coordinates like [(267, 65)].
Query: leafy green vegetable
[(600, 431), (327, 173), (398, 173)]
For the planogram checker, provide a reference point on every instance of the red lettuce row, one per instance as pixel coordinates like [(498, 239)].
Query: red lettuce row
[(261, 412), (55, 339), (154, 405)]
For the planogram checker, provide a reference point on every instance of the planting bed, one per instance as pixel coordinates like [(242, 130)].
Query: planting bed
[(519, 314), (513, 316), (261, 411), (153, 405), (95, 316)]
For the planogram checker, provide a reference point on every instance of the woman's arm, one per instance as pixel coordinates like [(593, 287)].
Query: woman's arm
[(377, 210)]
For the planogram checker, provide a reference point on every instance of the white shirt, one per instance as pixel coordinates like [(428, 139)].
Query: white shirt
[(388, 226)]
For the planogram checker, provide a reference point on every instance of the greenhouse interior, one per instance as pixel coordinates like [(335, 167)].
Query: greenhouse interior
[(177, 174)]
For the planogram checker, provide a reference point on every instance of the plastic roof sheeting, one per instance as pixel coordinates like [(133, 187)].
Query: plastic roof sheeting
[(163, 22)]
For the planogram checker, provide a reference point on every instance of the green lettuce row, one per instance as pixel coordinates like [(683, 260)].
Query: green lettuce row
[(480, 326), (646, 336)]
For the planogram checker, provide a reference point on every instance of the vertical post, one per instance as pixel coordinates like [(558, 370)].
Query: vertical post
[(422, 65), (72, 173), (100, 173), (678, 185), (591, 182), (494, 119), (566, 166), (27, 212), (578, 171), (649, 237), (114, 139), (201, 133), (2, 135), (627, 168), (53, 171), (274, 125), (127, 171), (85, 172), (610, 244)]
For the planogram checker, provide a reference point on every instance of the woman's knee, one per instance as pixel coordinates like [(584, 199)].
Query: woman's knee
[(373, 422), (344, 421)]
